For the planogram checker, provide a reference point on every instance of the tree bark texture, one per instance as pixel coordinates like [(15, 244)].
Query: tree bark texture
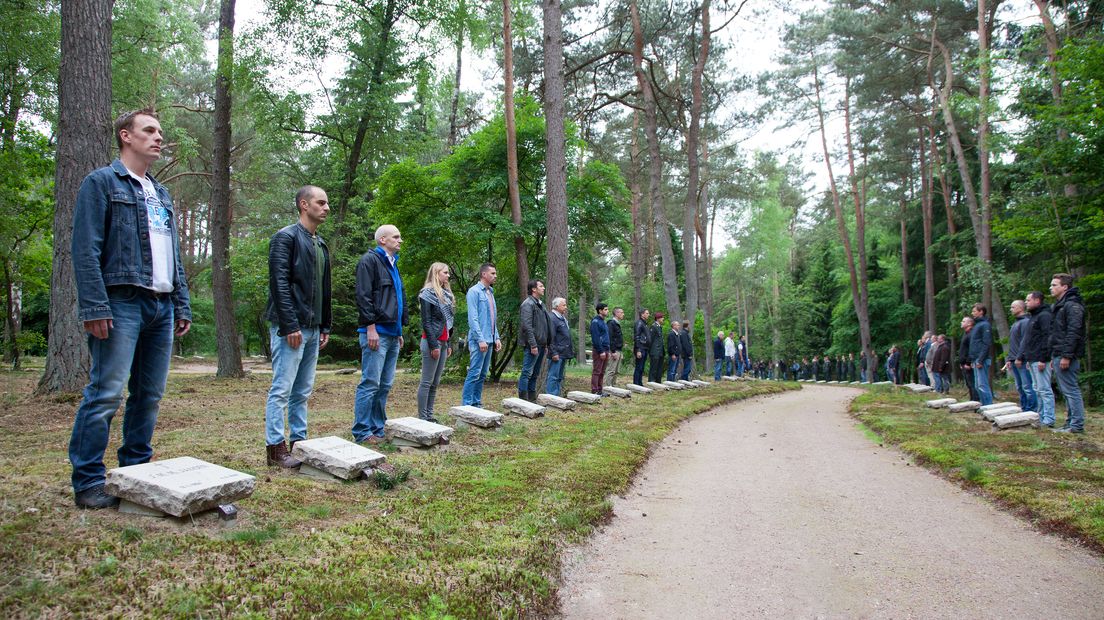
[(84, 139), (222, 285), (555, 157), (520, 250), (637, 247), (926, 188), (454, 105), (690, 207)]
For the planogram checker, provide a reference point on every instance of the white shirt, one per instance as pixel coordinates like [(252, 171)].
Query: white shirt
[(160, 237), (730, 347)]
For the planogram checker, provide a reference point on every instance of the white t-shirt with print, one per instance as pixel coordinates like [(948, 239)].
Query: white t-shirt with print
[(160, 237)]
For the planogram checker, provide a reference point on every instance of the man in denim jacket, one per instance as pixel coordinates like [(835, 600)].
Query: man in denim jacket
[(132, 298), (482, 333)]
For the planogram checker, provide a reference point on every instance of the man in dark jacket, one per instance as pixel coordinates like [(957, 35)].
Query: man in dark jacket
[(562, 348), (674, 350), (1035, 356), (1016, 340), (718, 355), (1067, 347), (686, 352), (535, 335), (941, 364), (381, 309), (656, 362), (299, 308), (964, 364), (617, 344), (981, 342), (641, 345), (599, 346)]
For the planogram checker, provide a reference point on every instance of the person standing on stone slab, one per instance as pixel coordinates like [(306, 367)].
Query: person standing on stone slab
[(299, 313), (674, 350), (641, 345), (656, 362), (617, 344), (729, 354), (718, 355), (132, 297), (964, 363), (437, 307), (941, 364), (1013, 362), (381, 315), (686, 351), (536, 333), (1035, 356), (482, 333), (1067, 347), (562, 348), (981, 343), (599, 346)]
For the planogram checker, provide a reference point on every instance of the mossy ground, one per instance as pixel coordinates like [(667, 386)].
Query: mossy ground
[(475, 532)]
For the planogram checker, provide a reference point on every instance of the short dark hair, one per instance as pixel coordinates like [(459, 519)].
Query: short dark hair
[(982, 308), (530, 286), (485, 267), (305, 193), (642, 311), (1064, 279), (598, 308), (126, 121), (1036, 295)]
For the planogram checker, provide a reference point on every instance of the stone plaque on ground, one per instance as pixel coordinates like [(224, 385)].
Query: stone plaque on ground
[(180, 486), (918, 388), (969, 405), (584, 397), (999, 405), (416, 430), (657, 386), (476, 416), (556, 402), (686, 383), (700, 383), (727, 378), (523, 408), (822, 381), (1013, 420), (337, 456), (639, 389), (939, 403), (674, 385), (611, 390), (993, 414)]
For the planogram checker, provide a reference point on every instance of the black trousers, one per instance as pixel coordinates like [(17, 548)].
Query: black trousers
[(656, 368), (638, 368)]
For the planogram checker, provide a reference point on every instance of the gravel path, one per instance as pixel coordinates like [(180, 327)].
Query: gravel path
[(781, 507)]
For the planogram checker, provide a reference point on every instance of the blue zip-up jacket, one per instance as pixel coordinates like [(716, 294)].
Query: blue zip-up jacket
[(981, 340), (599, 335), (111, 242)]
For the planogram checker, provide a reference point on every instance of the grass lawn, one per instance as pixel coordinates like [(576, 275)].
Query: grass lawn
[(475, 532), (1055, 480)]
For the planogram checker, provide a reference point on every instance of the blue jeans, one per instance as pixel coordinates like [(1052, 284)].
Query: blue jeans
[(292, 382), (687, 365), (1071, 391), (139, 346), (717, 365), (672, 368), (530, 368), (739, 367), (377, 373), (477, 373), (1023, 385), (981, 384), (556, 371), (1044, 394)]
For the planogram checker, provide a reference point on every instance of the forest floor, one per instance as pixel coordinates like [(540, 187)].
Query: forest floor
[(787, 506)]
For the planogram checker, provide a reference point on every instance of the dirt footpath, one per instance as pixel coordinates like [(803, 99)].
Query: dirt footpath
[(780, 507)]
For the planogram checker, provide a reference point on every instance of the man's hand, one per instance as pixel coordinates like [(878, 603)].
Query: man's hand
[(555, 358), (182, 327), (435, 354), (1064, 364), (604, 355), (99, 327), (977, 364), (533, 350), (1019, 364), (323, 340), (401, 341), (498, 345), (294, 339), (639, 355), (373, 337), (482, 347), (1041, 366)]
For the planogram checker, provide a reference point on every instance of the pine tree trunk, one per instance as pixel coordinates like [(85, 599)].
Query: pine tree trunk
[(555, 162), (926, 187), (520, 252), (690, 207), (454, 105), (637, 248), (84, 134)]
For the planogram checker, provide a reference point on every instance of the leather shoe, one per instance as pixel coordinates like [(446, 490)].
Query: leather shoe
[(278, 455), (95, 498)]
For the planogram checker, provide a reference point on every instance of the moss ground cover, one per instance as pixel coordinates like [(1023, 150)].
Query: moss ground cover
[(475, 532), (1055, 480)]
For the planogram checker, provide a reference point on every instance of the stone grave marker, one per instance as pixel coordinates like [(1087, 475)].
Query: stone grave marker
[(918, 388), (522, 407), (700, 383), (1024, 418), (687, 383), (969, 405), (179, 486), (728, 378), (556, 402), (335, 457), (999, 405), (584, 397), (610, 390), (992, 414), (939, 403), (657, 386), (416, 433), (639, 389), (674, 385), (476, 416)]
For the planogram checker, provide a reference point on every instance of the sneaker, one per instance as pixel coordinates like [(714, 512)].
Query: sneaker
[(1067, 429), (373, 440), (95, 498)]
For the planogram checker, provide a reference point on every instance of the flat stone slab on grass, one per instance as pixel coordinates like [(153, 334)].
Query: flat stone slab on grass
[(1013, 420), (674, 385), (610, 390), (657, 386), (639, 389), (337, 456), (882, 383), (688, 383), (939, 403), (969, 405), (476, 416), (179, 486), (523, 408), (416, 430), (556, 402), (1000, 405), (993, 414), (700, 383), (728, 378), (584, 397)]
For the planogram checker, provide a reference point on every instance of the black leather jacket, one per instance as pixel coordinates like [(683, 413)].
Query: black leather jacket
[(291, 281), (376, 295)]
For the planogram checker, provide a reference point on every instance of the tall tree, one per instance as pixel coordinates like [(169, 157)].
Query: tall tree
[(690, 220), (84, 139), (555, 158), (226, 326), (520, 251)]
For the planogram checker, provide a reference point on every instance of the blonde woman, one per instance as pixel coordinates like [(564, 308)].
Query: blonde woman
[(438, 307)]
